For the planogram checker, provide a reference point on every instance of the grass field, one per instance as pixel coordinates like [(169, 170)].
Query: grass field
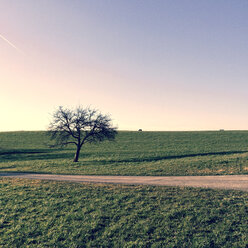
[(133, 153), (57, 214)]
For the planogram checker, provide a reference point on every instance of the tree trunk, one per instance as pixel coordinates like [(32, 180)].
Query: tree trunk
[(77, 154)]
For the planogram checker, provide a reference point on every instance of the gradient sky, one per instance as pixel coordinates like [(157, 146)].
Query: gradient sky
[(155, 65)]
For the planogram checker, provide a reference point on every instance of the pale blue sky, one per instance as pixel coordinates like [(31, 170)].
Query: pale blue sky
[(156, 65)]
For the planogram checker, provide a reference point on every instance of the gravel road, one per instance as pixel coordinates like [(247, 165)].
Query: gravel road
[(237, 182)]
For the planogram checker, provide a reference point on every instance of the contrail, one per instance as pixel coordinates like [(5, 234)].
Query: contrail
[(11, 44)]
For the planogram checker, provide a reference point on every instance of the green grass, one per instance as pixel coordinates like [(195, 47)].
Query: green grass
[(133, 153), (57, 214)]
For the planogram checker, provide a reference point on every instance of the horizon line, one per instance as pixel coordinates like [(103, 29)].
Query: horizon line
[(126, 130)]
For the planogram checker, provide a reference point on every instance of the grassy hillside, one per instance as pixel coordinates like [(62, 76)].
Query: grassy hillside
[(133, 153), (57, 214), (52, 214)]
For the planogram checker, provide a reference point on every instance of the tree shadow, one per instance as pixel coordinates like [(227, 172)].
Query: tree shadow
[(34, 154), (23, 151), (7, 173), (157, 158), (49, 154)]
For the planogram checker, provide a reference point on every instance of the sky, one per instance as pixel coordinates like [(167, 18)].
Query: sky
[(157, 65)]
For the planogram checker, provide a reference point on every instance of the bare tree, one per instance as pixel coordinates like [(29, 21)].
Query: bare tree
[(78, 126)]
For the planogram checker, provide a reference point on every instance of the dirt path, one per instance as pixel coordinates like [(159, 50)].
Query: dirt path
[(238, 182)]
